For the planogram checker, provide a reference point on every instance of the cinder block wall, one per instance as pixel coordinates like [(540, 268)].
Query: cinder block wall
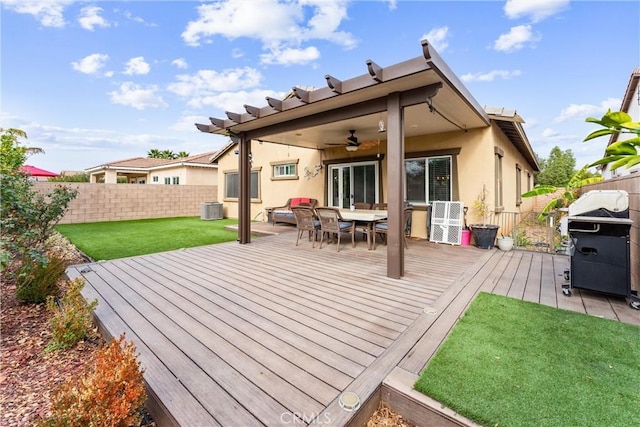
[(117, 202), (630, 184)]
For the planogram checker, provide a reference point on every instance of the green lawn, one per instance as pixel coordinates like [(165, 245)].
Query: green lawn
[(120, 239), (514, 363)]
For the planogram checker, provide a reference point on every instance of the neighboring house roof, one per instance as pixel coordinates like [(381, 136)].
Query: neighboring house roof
[(34, 171), (511, 124), (146, 163), (628, 97)]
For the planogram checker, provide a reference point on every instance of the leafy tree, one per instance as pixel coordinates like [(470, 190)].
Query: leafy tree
[(12, 153), (75, 177), (27, 216), (571, 190), (558, 169), (165, 154), (620, 153)]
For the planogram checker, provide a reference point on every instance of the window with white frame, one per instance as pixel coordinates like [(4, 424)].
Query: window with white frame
[(518, 184), (286, 169), (499, 154), (175, 180), (232, 185), (155, 178), (167, 180), (428, 179)]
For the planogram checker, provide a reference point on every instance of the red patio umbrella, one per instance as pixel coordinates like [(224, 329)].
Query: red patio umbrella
[(34, 171)]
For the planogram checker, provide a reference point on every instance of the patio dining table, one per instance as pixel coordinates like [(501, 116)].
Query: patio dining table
[(366, 216)]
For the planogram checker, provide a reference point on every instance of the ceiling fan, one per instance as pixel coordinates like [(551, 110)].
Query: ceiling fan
[(351, 143)]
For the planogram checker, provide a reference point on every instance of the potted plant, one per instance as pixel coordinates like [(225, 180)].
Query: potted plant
[(484, 235), (505, 243)]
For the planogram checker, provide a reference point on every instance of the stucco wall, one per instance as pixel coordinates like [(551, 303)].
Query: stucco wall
[(273, 192), (116, 202), (630, 184), (475, 166)]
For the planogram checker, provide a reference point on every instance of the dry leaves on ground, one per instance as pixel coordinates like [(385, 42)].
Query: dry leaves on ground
[(385, 417), (27, 373)]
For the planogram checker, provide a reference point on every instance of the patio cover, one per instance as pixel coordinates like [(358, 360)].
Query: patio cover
[(34, 171), (402, 95)]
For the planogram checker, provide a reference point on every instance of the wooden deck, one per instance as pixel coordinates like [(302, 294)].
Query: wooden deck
[(271, 334)]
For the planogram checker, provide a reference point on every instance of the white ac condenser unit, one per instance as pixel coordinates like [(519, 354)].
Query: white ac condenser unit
[(211, 210)]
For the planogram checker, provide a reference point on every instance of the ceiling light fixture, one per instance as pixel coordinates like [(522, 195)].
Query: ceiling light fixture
[(351, 148)]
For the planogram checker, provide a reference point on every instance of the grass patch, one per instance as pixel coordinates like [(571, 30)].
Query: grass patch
[(514, 363), (120, 239)]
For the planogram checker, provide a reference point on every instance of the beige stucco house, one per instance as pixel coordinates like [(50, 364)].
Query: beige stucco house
[(408, 132), (192, 170)]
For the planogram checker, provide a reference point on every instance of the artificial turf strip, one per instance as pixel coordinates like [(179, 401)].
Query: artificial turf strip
[(120, 239), (515, 363)]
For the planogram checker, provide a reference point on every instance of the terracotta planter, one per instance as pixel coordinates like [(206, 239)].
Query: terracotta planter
[(484, 235)]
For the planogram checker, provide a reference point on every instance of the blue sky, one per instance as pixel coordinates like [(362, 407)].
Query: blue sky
[(93, 82)]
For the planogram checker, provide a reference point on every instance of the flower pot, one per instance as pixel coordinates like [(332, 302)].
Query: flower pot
[(505, 243), (484, 235)]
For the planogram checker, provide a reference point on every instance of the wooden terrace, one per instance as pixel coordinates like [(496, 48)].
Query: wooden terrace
[(272, 334)]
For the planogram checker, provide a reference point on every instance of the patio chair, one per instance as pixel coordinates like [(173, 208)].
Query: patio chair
[(362, 205), (331, 223), (382, 227), (306, 221)]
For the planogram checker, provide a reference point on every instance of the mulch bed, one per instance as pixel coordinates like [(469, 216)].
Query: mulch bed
[(27, 373)]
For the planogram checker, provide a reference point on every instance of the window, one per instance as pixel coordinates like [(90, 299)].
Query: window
[(428, 179), (167, 181), (175, 180), (285, 169), (155, 178), (499, 154), (232, 185), (518, 184)]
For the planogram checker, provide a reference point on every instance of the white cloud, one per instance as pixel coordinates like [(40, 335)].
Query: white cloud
[(437, 37), (138, 97), (205, 82), (582, 111), (234, 101), (490, 76), (91, 64), (549, 133), (48, 12), (287, 28), (180, 63), (138, 19), (537, 10), (187, 123), (290, 56), (237, 53), (90, 18), (516, 39), (137, 65)]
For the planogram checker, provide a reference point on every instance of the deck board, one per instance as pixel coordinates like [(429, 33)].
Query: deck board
[(254, 334)]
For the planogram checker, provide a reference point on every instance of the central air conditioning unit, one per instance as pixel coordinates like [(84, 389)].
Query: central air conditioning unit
[(446, 222), (211, 210)]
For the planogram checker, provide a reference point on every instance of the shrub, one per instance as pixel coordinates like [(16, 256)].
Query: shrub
[(37, 279), (72, 316), (109, 393)]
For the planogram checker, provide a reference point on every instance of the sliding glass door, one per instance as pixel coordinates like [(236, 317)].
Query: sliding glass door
[(353, 182)]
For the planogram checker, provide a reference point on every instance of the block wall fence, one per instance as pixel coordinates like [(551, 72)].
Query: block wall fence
[(117, 202), (630, 184)]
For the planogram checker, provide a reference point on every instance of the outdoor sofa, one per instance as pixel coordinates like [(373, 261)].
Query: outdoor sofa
[(285, 214)]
